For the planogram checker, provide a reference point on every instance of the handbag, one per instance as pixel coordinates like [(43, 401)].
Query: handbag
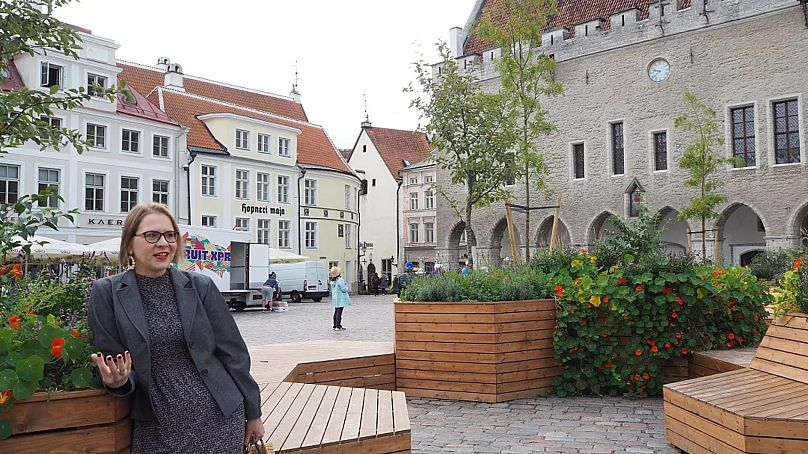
[(259, 447)]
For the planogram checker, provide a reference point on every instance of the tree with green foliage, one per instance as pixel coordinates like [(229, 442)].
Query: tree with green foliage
[(526, 74), (27, 27), (702, 160), (470, 132)]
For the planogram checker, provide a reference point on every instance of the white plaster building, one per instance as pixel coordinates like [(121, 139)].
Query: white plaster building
[(377, 157), (418, 206)]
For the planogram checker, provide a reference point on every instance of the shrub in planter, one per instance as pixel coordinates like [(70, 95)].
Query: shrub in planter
[(792, 293), (619, 328), (525, 283)]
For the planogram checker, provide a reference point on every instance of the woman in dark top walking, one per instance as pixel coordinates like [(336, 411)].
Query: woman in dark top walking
[(168, 337)]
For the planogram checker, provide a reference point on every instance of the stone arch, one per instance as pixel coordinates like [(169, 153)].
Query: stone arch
[(673, 231), (599, 228), (740, 230), (457, 245), (563, 237), (799, 225), (501, 245)]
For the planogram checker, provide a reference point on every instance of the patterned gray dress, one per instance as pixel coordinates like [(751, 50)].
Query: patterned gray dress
[(189, 419)]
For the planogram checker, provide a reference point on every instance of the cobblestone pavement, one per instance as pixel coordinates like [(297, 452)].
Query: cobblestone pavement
[(579, 425)]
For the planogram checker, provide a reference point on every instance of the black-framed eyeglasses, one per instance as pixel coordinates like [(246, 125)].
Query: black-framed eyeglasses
[(152, 237)]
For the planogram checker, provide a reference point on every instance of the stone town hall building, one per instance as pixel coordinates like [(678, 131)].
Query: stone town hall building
[(625, 65)]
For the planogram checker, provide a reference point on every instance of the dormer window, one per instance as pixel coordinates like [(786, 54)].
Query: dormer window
[(51, 75), (96, 84)]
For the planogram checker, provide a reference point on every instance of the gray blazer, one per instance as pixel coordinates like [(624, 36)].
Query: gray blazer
[(118, 322)]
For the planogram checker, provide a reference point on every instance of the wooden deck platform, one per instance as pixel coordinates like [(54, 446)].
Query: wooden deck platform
[(703, 364), (322, 419)]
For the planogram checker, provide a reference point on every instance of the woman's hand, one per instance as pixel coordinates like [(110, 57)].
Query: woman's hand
[(253, 431), (113, 374)]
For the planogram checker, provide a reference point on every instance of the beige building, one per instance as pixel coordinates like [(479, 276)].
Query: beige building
[(625, 67), (255, 163), (418, 215)]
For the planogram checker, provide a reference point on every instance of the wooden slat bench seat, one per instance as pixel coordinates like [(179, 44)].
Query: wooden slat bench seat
[(375, 371), (325, 419), (703, 364), (759, 409)]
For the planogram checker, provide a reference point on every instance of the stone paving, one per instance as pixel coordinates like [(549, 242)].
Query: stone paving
[(577, 425)]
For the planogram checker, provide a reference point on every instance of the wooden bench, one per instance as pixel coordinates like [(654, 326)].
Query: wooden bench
[(325, 419), (704, 364), (759, 409), (375, 372)]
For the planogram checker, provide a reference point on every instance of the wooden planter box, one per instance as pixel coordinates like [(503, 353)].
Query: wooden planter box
[(69, 422), (484, 352)]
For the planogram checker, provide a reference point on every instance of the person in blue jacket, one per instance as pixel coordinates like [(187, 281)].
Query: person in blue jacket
[(339, 296)]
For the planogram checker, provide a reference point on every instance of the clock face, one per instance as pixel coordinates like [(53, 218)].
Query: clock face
[(659, 70)]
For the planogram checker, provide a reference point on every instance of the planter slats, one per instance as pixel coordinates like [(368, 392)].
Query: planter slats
[(74, 421), (487, 352)]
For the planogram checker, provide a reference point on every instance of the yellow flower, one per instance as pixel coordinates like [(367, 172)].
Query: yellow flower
[(700, 293), (593, 259), (594, 300), (576, 264)]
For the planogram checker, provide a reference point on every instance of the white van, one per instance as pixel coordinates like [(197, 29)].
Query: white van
[(301, 280)]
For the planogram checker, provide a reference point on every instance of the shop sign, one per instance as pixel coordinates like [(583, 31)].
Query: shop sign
[(259, 209)]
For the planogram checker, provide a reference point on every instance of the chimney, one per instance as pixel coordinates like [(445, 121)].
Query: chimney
[(173, 77), (457, 40), (366, 123), (162, 63)]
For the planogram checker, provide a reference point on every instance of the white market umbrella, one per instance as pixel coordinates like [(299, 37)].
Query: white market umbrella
[(107, 249), (281, 256), (44, 248)]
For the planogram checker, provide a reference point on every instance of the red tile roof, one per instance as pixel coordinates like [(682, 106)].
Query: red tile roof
[(145, 78), (142, 108), (570, 13), (14, 80), (395, 146), (313, 145)]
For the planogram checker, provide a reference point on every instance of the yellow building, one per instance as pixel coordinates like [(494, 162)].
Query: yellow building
[(254, 163)]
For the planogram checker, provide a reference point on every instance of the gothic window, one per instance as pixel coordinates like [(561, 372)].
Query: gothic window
[(634, 202)]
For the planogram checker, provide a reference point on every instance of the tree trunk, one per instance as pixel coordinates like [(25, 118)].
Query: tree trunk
[(525, 119), (704, 240), (469, 208)]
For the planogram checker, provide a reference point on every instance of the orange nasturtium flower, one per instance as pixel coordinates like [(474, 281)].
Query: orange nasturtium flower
[(4, 397), (57, 344), (797, 264), (75, 333), (684, 351), (16, 271), (621, 280), (559, 291), (646, 376), (4, 269), (638, 352), (14, 321)]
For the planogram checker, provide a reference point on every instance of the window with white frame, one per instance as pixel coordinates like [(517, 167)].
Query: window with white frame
[(348, 201), (263, 230), (264, 143), (130, 141), (94, 192), (49, 178), (9, 183), (51, 75), (284, 230), (429, 200), (283, 189), (52, 123), (413, 200), (242, 225), (428, 179), (208, 180), (578, 160), (413, 233), (660, 151), (242, 139), (348, 236), (429, 232), (262, 187), (786, 132), (129, 190), (97, 135), (283, 146), (160, 146), (310, 235), (160, 191), (309, 192), (413, 180), (96, 84), (208, 220), (242, 184)]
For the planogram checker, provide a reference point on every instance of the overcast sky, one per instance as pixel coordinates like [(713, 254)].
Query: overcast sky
[(342, 48)]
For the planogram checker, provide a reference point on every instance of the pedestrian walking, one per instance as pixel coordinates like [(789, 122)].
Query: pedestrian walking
[(147, 321), (384, 284), (376, 282), (339, 296)]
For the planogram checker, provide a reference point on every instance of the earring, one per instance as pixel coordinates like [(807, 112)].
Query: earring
[(131, 261)]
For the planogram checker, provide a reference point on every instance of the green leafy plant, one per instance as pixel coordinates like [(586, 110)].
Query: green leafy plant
[(792, 294), (772, 265)]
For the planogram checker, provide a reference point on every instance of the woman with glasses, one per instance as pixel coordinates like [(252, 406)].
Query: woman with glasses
[(167, 337)]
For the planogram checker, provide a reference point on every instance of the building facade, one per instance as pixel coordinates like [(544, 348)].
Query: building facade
[(377, 157), (418, 215), (625, 67), (133, 157), (255, 163)]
